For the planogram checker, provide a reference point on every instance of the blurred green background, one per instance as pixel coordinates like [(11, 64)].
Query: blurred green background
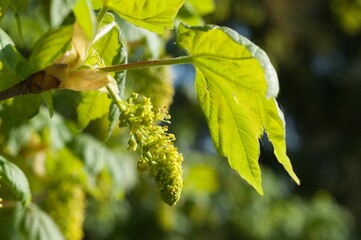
[(315, 47)]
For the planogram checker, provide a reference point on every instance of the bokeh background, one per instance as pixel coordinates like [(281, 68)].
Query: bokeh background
[(315, 47)]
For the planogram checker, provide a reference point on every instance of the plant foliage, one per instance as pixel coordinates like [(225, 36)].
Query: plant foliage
[(78, 68)]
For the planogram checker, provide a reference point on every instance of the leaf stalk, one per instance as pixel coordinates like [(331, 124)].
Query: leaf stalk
[(148, 63)]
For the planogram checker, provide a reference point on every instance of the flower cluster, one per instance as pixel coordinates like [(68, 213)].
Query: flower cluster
[(65, 203), (158, 154)]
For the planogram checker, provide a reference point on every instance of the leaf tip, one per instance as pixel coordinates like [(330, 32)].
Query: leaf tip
[(296, 179), (260, 190)]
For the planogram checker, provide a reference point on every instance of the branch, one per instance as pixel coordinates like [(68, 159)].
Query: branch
[(35, 83)]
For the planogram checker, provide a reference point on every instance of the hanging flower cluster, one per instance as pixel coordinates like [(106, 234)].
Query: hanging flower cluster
[(158, 154)]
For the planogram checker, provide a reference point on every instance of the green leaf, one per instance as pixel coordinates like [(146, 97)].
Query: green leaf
[(97, 4), (11, 58), (133, 33), (275, 128), (93, 105), (51, 46), (153, 15), (192, 11), (203, 7), (234, 78), (188, 15), (91, 151), (97, 157), (16, 138), (59, 132), (107, 42), (18, 6), (7, 79), (48, 97), (34, 224), (85, 16), (59, 10), (110, 45), (16, 180), (26, 107), (113, 118), (4, 5)]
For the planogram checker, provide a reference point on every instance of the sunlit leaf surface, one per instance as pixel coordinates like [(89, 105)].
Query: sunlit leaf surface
[(234, 78), (153, 15)]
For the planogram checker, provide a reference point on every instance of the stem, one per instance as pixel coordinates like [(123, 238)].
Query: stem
[(102, 13), (10, 93), (18, 23), (114, 96), (146, 64)]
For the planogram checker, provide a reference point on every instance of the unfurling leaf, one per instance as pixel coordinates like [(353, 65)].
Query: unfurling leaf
[(153, 15), (234, 80), (16, 181)]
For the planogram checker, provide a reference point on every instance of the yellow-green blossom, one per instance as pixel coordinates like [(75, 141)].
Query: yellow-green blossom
[(158, 154), (65, 203)]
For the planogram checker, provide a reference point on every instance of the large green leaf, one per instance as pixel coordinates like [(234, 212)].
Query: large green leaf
[(16, 180), (234, 78), (51, 46), (34, 224), (93, 105), (153, 15)]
